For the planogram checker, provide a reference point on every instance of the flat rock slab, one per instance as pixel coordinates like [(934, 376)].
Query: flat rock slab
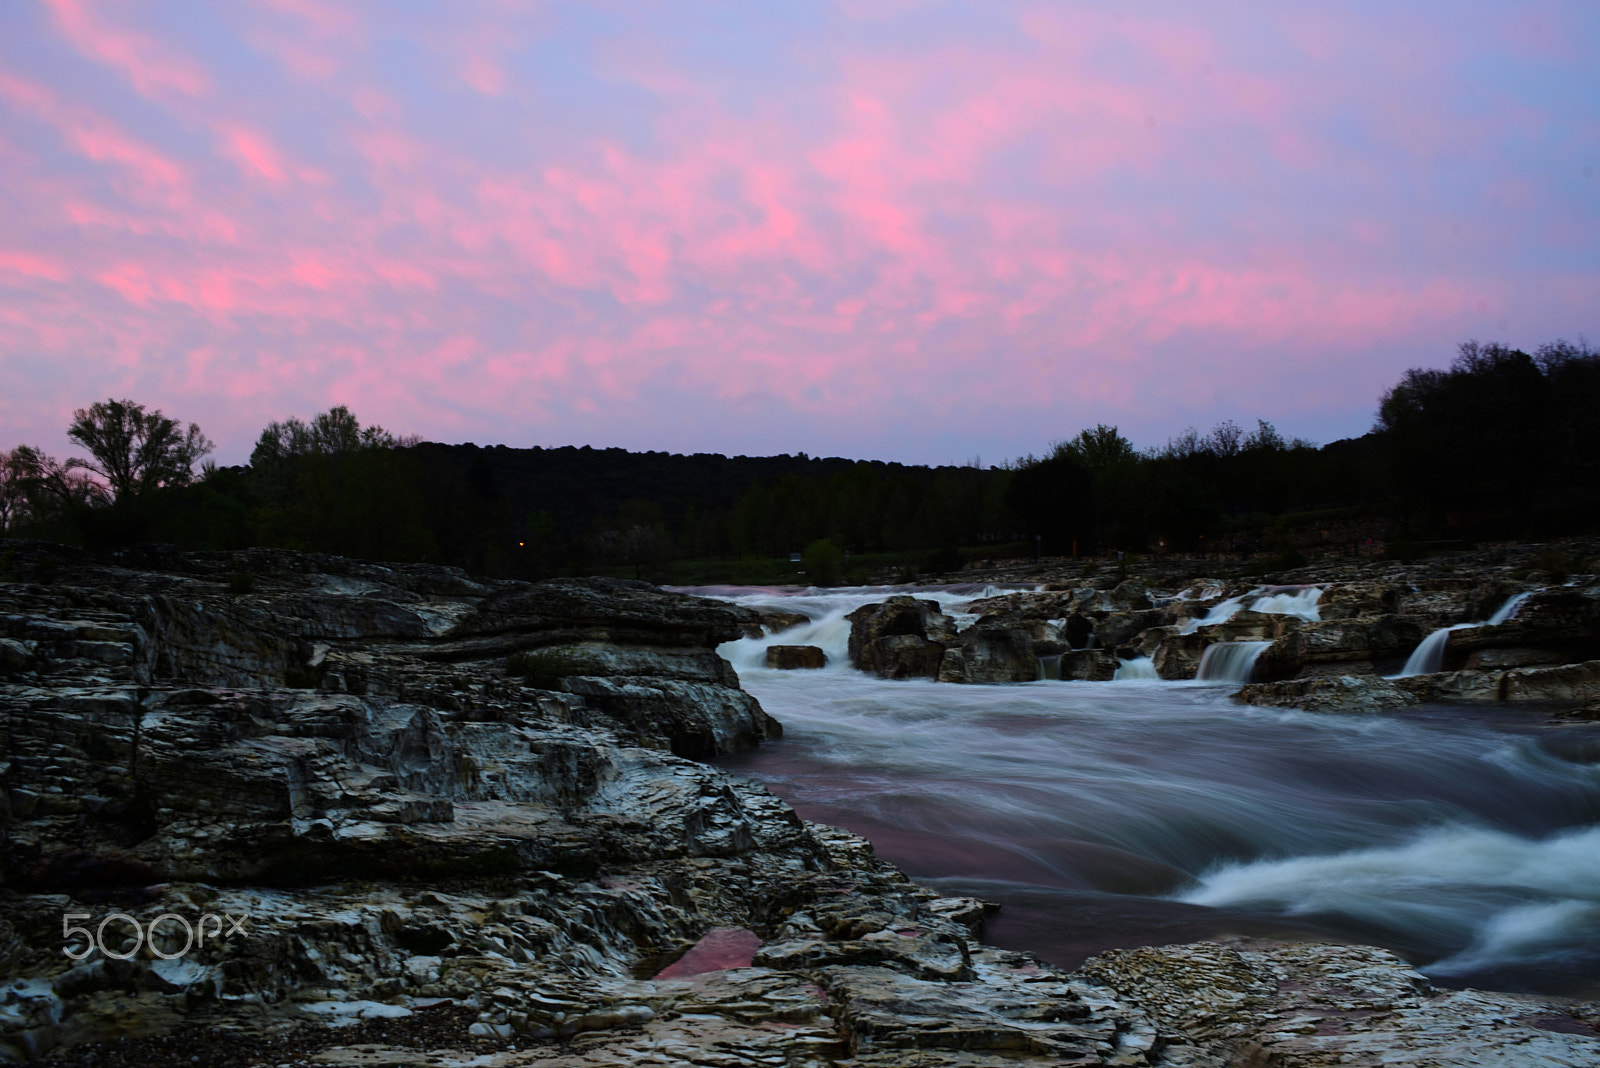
[(719, 950)]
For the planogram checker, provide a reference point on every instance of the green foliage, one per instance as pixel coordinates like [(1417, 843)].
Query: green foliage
[(543, 668), (943, 560), (823, 562)]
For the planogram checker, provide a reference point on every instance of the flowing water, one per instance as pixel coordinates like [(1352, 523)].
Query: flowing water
[(1429, 656), (1139, 811)]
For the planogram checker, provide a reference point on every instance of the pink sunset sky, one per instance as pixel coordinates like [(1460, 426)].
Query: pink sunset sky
[(889, 230)]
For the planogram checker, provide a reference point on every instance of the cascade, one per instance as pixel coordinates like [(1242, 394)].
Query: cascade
[(1299, 601), (1229, 661), (1139, 668), (1049, 667), (1509, 609), (1428, 657)]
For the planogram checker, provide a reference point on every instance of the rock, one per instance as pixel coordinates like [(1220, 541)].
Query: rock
[(777, 622), (796, 656), (1341, 693), (900, 638), (1176, 655), (1346, 646), (1312, 1005), (1121, 628), (1088, 665), (1578, 683), (1004, 654)]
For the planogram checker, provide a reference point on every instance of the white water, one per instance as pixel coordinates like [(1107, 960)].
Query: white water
[(1428, 657), (1149, 811), (828, 629), (1229, 661), (1139, 669), (1498, 896), (1298, 601)]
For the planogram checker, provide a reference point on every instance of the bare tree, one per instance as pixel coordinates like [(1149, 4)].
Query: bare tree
[(135, 450), (15, 473), (1226, 438)]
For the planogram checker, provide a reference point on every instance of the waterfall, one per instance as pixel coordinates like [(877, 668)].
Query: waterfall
[(1049, 667), (1229, 661), (1428, 657), (1509, 609), (1139, 668), (1299, 601), (1220, 612)]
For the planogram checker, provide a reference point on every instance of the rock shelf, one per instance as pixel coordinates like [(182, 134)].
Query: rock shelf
[(456, 821)]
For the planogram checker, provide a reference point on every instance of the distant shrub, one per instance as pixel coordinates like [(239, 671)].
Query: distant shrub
[(1557, 564), (543, 668), (947, 558), (823, 562), (241, 583), (1404, 551)]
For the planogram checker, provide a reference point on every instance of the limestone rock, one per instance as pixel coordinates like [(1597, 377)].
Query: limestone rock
[(796, 656), (1313, 1005), (1348, 645), (900, 638), (1339, 693)]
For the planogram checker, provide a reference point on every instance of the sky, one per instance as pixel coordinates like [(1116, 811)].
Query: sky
[(925, 232)]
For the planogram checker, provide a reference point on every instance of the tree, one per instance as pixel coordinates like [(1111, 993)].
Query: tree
[(331, 433), (134, 450), (823, 562), (1097, 449), (16, 470)]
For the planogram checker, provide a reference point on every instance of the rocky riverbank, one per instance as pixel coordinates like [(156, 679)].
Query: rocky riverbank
[(1339, 635), (471, 820)]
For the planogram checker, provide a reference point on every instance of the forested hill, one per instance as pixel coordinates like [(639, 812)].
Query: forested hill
[(580, 483), (1501, 444)]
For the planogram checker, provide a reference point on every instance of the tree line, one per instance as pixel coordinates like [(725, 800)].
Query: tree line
[(1501, 443)]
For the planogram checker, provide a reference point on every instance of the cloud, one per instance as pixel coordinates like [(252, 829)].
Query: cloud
[(153, 68), (918, 235)]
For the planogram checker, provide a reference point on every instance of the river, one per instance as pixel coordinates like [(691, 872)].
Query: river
[(1139, 812)]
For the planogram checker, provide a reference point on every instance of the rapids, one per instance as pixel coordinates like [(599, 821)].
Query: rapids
[(1140, 811)]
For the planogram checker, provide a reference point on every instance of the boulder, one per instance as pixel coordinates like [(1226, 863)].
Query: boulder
[(1176, 655), (777, 622), (1122, 628), (1088, 665), (900, 638), (1008, 654), (1349, 645), (789, 657)]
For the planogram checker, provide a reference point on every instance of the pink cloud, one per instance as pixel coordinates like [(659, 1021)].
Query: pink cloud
[(153, 68), (254, 151), (987, 229)]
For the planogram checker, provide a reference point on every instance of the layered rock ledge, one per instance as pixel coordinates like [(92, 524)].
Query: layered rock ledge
[(472, 819)]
